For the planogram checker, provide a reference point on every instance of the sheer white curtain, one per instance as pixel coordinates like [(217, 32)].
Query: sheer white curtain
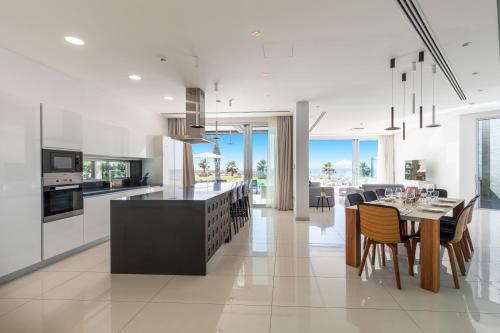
[(385, 173), (272, 153)]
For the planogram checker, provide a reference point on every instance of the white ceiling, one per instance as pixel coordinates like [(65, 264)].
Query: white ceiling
[(341, 52)]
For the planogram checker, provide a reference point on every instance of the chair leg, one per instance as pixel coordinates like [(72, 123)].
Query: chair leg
[(409, 252), (412, 227), (469, 239), (382, 252), (465, 249), (374, 252), (414, 243), (396, 264), (460, 258), (452, 264), (365, 254)]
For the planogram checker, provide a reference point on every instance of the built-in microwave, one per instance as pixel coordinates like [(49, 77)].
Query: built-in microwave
[(61, 161)]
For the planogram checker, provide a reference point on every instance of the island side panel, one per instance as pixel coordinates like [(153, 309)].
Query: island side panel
[(158, 237), (218, 223)]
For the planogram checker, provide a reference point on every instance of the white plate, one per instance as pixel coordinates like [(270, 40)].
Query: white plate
[(433, 210), (446, 200), (442, 205)]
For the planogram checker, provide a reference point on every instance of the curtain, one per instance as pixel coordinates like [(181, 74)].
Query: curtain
[(177, 126), (385, 159), (272, 171), (284, 163), (247, 161)]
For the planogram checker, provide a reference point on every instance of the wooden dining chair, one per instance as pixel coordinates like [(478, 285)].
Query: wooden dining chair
[(370, 196), (381, 225), (451, 241), (380, 192)]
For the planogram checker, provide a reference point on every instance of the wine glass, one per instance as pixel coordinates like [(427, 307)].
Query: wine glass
[(388, 193), (398, 192)]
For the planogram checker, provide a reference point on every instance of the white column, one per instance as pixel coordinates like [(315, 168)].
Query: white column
[(301, 161)]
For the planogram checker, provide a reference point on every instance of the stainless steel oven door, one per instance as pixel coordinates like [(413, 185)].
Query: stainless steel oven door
[(63, 201)]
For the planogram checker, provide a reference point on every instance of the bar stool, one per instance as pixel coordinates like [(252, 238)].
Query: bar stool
[(234, 208)]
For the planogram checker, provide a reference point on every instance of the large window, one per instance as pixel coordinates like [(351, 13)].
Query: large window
[(331, 162), (368, 150), (231, 150), (105, 169), (260, 179), (489, 162)]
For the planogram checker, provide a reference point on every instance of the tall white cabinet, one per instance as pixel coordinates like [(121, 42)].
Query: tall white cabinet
[(20, 184), (61, 128)]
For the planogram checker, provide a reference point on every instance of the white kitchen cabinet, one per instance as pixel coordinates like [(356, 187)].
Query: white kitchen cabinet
[(97, 212), (62, 235), (61, 128), (20, 184)]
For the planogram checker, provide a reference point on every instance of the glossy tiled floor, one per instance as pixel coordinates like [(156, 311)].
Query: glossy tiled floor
[(276, 276)]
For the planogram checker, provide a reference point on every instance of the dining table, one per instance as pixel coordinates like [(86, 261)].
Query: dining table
[(427, 212)]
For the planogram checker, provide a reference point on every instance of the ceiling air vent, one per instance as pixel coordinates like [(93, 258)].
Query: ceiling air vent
[(416, 18)]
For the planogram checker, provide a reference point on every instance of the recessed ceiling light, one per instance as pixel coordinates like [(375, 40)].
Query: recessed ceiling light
[(256, 33), (74, 40), (480, 90), (264, 74), (168, 98), (472, 103), (466, 44), (135, 77), (475, 73)]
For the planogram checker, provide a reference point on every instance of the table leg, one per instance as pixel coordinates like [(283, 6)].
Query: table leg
[(352, 238), (317, 204), (458, 209), (322, 203), (429, 255), (328, 202)]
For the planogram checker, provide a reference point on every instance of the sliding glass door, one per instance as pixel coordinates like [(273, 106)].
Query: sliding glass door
[(489, 162)]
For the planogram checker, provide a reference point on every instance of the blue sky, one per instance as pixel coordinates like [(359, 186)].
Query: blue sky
[(320, 151)]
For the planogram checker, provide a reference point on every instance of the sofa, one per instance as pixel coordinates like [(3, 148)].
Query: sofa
[(315, 189)]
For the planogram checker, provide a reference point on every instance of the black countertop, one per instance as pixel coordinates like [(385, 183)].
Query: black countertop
[(88, 192), (200, 192)]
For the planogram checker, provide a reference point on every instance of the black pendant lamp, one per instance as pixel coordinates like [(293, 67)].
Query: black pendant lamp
[(413, 73), (392, 66), (403, 80), (433, 124), (421, 61), (216, 89)]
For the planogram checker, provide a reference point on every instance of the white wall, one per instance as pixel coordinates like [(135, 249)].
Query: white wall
[(109, 128), (450, 152), (439, 147)]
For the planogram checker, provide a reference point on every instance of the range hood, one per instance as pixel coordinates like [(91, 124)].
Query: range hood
[(195, 118)]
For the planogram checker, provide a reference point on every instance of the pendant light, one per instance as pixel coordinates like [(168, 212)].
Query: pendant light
[(392, 66), (421, 61), (403, 80), (413, 73), (433, 124), (216, 89)]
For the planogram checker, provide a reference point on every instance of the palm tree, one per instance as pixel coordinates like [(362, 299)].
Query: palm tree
[(231, 168), (328, 169), (204, 165), (261, 169), (364, 169)]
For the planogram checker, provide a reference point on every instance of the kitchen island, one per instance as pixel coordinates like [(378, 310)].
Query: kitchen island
[(175, 231)]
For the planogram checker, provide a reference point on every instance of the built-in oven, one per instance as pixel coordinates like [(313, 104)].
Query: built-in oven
[(61, 161), (62, 196)]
